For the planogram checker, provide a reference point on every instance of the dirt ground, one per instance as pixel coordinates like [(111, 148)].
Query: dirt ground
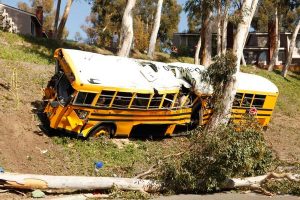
[(24, 148)]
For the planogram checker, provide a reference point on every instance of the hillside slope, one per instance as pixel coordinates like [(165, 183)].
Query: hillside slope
[(26, 65)]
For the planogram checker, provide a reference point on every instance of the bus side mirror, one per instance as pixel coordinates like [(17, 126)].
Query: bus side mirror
[(54, 104)]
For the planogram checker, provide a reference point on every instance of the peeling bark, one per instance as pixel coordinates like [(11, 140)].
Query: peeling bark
[(153, 38), (291, 50), (205, 53), (197, 52), (32, 181), (64, 20), (127, 29), (275, 53)]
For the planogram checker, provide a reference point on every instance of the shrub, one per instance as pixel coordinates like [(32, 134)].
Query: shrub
[(225, 152)]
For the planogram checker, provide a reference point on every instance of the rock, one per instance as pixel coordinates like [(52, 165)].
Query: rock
[(38, 194)]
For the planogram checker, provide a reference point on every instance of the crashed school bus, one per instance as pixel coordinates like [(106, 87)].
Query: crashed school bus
[(92, 94), (255, 95)]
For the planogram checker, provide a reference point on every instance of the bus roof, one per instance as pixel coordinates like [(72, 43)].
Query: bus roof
[(94, 71), (246, 82)]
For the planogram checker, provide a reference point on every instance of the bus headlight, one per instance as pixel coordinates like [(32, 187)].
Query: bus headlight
[(82, 114)]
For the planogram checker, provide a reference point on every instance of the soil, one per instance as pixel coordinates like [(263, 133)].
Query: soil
[(25, 148)]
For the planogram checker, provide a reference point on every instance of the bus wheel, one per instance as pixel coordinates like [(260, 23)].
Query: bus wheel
[(103, 130)]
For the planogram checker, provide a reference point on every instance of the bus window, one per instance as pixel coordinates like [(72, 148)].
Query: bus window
[(141, 101), (247, 100), (258, 101), (238, 99), (85, 98), (105, 98), (168, 101), (122, 99), (64, 90), (155, 101)]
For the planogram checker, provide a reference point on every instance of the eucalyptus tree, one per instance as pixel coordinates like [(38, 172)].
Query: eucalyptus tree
[(291, 48), (155, 29), (63, 20), (203, 10), (127, 29), (229, 85)]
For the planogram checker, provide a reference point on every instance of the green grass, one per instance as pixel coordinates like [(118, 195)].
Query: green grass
[(36, 50), (289, 96), (134, 157)]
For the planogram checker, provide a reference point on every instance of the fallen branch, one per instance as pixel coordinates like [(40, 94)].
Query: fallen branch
[(81, 197), (31, 181), (154, 167), (254, 183)]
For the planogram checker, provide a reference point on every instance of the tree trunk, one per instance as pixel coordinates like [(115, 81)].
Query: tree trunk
[(32, 181), (197, 52), (56, 18), (206, 40), (223, 116), (127, 29), (248, 10), (224, 28), (64, 20), (153, 38), (219, 36), (291, 49), (275, 53)]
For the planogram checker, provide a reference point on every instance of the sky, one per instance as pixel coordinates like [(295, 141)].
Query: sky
[(81, 9)]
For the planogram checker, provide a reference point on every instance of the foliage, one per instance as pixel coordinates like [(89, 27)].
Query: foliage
[(283, 187), (219, 74), (214, 156), (141, 36), (106, 18), (288, 12)]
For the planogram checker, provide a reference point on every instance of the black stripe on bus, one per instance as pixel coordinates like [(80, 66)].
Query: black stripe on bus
[(130, 120), (129, 109), (132, 115), (245, 108)]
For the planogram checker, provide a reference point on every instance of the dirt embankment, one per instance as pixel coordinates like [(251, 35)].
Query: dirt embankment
[(25, 148)]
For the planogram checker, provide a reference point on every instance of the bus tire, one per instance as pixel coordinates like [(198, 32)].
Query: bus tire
[(102, 130)]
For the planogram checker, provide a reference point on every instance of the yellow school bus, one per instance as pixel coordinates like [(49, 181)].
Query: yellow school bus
[(92, 94), (255, 95)]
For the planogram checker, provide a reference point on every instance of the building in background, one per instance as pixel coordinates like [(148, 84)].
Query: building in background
[(257, 49), (19, 21)]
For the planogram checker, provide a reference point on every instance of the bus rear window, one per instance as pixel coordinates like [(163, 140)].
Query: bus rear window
[(247, 100), (141, 101), (258, 101), (238, 99), (85, 98)]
